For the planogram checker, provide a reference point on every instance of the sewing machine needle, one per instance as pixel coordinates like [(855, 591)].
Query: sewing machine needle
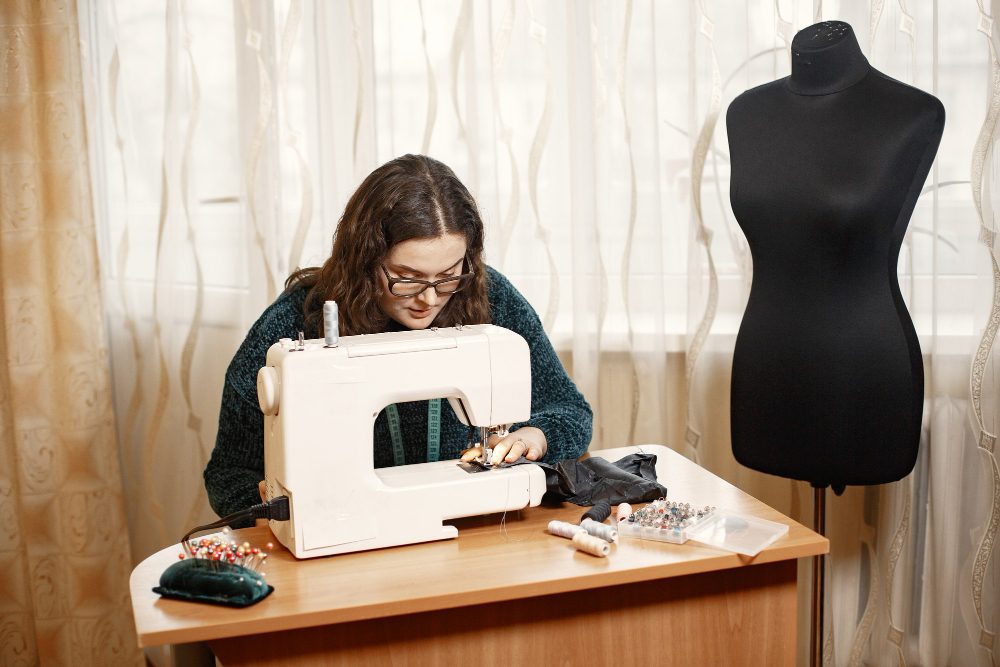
[(483, 438)]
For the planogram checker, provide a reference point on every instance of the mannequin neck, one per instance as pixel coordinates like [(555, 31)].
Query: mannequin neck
[(826, 59)]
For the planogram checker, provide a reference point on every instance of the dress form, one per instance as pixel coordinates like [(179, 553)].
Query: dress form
[(827, 165)]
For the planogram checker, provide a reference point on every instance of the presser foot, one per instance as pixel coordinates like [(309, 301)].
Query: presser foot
[(475, 466)]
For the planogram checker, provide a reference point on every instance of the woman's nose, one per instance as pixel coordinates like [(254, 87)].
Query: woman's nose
[(429, 296)]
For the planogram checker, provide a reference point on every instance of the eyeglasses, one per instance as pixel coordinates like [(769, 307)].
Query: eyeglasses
[(413, 287)]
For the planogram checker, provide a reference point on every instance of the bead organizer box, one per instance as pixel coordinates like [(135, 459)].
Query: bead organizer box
[(669, 521), (664, 521)]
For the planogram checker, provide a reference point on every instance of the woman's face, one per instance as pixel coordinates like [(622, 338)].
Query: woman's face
[(421, 259)]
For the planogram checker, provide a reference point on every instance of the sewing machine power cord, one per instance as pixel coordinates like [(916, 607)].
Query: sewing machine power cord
[(275, 509)]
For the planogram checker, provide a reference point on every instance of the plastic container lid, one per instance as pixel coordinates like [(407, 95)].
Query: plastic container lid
[(740, 533)]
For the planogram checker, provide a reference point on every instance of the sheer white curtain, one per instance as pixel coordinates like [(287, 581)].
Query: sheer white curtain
[(226, 138)]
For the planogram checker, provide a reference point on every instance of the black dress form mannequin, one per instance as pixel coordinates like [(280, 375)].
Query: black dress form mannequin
[(827, 164)]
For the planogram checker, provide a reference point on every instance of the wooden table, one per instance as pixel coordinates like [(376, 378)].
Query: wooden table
[(505, 592)]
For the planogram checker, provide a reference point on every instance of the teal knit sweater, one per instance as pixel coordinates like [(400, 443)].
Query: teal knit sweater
[(237, 463)]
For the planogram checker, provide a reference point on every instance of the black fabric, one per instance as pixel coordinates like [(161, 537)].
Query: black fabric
[(631, 479), (827, 164), (200, 580)]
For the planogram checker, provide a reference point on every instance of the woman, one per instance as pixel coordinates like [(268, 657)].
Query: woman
[(407, 254)]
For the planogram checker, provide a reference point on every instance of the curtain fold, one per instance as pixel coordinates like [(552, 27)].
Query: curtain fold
[(64, 548), (228, 137)]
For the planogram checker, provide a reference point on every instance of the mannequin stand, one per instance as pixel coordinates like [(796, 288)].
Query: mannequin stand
[(816, 634)]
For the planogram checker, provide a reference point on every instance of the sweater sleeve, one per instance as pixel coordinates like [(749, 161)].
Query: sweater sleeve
[(558, 408), (237, 463)]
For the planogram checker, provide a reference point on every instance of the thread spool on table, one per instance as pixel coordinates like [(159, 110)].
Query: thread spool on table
[(600, 530), (594, 546), (565, 529), (599, 512)]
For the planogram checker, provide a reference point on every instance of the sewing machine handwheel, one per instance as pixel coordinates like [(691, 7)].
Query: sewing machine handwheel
[(268, 385)]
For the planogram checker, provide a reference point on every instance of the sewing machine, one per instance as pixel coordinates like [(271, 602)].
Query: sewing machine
[(320, 404)]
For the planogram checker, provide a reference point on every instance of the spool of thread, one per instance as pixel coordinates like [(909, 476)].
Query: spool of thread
[(624, 510), (592, 545), (599, 512), (601, 530), (564, 529), (331, 324)]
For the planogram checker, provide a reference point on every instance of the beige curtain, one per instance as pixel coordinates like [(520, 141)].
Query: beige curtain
[(64, 554)]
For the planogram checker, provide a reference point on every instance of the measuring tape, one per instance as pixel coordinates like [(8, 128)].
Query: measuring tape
[(433, 432)]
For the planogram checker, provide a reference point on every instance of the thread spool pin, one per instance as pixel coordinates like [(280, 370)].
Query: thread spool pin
[(331, 324)]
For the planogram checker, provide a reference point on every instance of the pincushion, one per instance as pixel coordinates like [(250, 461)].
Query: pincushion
[(201, 580)]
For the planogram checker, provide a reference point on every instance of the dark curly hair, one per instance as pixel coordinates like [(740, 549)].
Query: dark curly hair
[(411, 197)]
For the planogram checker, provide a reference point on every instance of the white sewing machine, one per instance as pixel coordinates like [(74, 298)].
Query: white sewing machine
[(320, 405)]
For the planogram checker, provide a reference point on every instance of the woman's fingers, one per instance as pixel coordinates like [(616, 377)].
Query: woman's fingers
[(507, 449), (534, 452), (472, 453), (510, 449), (476, 452)]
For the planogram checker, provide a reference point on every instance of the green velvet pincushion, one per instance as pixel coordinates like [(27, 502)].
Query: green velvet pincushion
[(202, 580)]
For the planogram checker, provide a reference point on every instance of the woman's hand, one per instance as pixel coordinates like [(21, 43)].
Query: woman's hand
[(526, 441)]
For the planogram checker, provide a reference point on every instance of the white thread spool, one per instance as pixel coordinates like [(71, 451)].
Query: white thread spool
[(592, 545), (565, 529), (331, 324), (601, 530), (624, 510)]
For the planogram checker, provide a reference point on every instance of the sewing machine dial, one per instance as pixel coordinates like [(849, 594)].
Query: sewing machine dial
[(268, 389)]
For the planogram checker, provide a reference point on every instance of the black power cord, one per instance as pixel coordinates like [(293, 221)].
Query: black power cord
[(275, 509)]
